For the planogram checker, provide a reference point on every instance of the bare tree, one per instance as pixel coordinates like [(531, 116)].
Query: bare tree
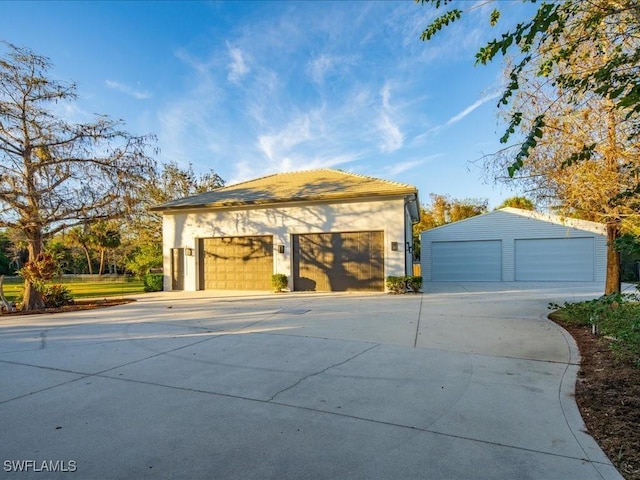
[(55, 174)]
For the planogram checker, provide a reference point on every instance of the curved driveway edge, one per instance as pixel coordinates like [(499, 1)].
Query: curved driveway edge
[(463, 381)]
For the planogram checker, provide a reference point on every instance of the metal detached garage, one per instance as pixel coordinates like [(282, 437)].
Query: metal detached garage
[(511, 244), (326, 230)]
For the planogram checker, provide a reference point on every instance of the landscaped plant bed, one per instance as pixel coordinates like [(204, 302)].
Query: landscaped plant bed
[(405, 284), (608, 396), (83, 304)]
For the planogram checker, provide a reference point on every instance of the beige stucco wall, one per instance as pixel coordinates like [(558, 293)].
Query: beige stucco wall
[(183, 229)]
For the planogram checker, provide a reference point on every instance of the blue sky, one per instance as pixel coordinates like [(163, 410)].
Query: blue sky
[(253, 88)]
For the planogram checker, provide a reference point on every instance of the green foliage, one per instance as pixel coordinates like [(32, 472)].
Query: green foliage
[(553, 38), (518, 202), (395, 284), (56, 296), (279, 282), (83, 287), (144, 258), (495, 16), (529, 144), (585, 153), (616, 316), (153, 282), (409, 283), (628, 244), (5, 257), (414, 283), (440, 22)]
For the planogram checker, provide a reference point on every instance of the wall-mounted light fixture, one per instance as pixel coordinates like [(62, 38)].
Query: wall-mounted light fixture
[(394, 246), (280, 248), (188, 252)]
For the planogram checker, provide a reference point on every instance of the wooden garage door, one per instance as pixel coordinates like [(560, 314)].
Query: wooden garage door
[(339, 261), (236, 263), (555, 259), (471, 261)]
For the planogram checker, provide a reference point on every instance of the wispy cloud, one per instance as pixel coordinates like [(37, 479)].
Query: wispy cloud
[(391, 135), (392, 138), (318, 67), (121, 87), (238, 67), (326, 65), (279, 144), (308, 95), (459, 116), (478, 103), (400, 167)]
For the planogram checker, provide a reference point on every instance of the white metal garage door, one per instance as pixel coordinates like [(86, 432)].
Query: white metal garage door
[(467, 261), (555, 259)]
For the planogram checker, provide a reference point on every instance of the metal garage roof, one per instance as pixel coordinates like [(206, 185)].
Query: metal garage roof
[(593, 227)]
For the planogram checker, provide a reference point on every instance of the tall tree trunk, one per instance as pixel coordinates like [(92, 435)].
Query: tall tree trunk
[(32, 299), (86, 254), (101, 262), (611, 154), (613, 282)]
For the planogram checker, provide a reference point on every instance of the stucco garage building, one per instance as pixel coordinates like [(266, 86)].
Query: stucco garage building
[(511, 244), (327, 230)]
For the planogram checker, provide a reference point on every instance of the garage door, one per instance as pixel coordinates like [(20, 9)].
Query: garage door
[(555, 259), (236, 263), (339, 261), (467, 261)]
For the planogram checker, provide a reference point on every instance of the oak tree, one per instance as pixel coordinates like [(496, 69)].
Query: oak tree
[(600, 187), (543, 40)]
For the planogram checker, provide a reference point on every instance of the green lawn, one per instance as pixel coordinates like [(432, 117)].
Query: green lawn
[(84, 289)]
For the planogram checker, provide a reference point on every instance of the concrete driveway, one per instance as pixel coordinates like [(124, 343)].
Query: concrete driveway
[(467, 381)]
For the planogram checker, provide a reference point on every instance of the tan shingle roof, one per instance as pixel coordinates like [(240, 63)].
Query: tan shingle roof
[(309, 185)]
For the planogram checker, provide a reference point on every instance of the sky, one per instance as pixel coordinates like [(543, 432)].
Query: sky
[(252, 88)]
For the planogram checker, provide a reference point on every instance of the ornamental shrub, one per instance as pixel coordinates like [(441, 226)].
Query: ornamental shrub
[(396, 284), (56, 296), (409, 283), (414, 283), (153, 282), (279, 282)]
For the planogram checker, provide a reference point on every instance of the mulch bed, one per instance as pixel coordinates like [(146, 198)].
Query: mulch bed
[(77, 305), (608, 396)]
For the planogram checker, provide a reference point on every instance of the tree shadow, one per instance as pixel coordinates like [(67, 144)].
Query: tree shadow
[(329, 246)]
